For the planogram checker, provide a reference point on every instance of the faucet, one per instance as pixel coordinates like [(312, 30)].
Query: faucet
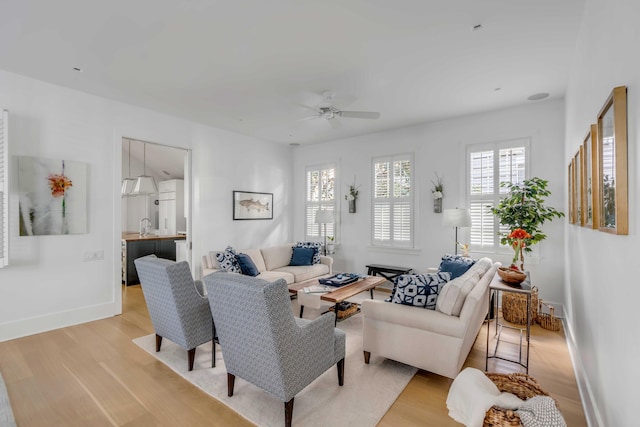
[(143, 229)]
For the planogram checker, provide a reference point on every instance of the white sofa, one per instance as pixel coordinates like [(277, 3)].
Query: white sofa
[(273, 263), (428, 339)]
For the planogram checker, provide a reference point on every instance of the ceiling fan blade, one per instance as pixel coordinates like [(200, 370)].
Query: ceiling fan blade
[(306, 107), (360, 114)]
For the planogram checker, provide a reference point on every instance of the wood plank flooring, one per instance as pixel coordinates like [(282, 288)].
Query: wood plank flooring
[(93, 375)]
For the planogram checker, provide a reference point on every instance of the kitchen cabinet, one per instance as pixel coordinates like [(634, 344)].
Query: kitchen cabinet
[(134, 246), (171, 218)]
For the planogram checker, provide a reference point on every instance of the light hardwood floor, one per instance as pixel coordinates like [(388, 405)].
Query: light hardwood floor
[(93, 375)]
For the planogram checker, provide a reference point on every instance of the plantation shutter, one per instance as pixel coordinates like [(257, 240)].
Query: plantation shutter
[(320, 189), (392, 209), (4, 189), (481, 184), (489, 165)]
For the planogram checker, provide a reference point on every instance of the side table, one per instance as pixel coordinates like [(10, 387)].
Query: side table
[(496, 286)]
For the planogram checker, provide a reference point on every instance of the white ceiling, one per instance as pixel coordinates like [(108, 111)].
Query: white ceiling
[(255, 66)]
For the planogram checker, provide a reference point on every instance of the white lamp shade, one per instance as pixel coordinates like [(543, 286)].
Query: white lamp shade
[(324, 217), (128, 184), (456, 218), (145, 185)]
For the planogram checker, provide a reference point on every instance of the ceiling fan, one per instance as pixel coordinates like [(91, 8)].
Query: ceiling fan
[(328, 111)]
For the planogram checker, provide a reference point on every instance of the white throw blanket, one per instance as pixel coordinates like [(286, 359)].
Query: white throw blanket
[(472, 394)]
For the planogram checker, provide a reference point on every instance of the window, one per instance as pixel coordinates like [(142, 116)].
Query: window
[(392, 211), (488, 165), (321, 194), (4, 190)]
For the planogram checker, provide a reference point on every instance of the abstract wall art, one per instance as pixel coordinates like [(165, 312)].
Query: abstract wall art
[(52, 196)]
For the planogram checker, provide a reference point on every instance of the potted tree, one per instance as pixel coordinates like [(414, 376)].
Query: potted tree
[(523, 212)]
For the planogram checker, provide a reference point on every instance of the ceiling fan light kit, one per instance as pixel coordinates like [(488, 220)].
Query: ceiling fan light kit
[(328, 111)]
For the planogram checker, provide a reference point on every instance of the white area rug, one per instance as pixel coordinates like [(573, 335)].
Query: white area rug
[(367, 394)]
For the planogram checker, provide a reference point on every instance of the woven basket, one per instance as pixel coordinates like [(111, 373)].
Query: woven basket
[(346, 312), (548, 321), (514, 307), (523, 386)]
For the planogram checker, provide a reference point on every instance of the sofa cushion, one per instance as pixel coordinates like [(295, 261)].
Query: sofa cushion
[(247, 266), (277, 256), (481, 266), (453, 294), (302, 256), (316, 245), (227, 260), (456, 265), (306, 272), (419, 290), (272, 276)]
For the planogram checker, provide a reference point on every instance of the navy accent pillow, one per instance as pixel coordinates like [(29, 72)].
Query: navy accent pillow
[(247, 265), (456, 265), (302, 256), (315, 245)]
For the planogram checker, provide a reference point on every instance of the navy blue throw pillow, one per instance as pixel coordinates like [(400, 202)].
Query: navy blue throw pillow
[(302, 256), (247, 266), (456, 265)]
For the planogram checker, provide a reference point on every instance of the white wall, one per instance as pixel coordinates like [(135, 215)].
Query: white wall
[(48, 285), (602, 269), (440, 147)]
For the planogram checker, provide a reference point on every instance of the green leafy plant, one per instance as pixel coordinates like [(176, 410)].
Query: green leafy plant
[(524, 208), (438, 187)]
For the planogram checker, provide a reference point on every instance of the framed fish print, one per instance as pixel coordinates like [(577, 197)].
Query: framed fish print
[(251, 205)]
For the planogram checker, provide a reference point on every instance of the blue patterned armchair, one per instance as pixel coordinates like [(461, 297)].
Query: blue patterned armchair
[(178, 310), (264, 344)]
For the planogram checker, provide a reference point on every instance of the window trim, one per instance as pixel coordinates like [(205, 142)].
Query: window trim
[(4, 188), (494, 146), (394, 244)]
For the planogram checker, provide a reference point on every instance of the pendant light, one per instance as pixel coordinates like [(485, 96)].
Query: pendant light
[(145, 184), (128, 183)]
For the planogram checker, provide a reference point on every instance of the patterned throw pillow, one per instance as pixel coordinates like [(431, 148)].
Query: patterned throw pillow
[(419, 290), (227, 260), (315, 245), (457, 265)]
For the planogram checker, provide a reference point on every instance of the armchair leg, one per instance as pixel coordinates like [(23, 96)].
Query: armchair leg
[(158, 342), (231, 380), (192, 358), (213, 345), (340, 367), (367, 355), (288, 412)]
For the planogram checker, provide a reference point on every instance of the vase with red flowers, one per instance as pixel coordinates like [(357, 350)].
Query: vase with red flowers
[(517, 240)]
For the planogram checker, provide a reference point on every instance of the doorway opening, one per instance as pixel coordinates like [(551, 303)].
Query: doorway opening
[(155, 220)]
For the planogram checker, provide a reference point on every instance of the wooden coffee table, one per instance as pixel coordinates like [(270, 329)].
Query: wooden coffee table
[(337, 296)]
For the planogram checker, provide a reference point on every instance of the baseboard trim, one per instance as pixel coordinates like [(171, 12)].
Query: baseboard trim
[(590, 406), (35, 325)]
